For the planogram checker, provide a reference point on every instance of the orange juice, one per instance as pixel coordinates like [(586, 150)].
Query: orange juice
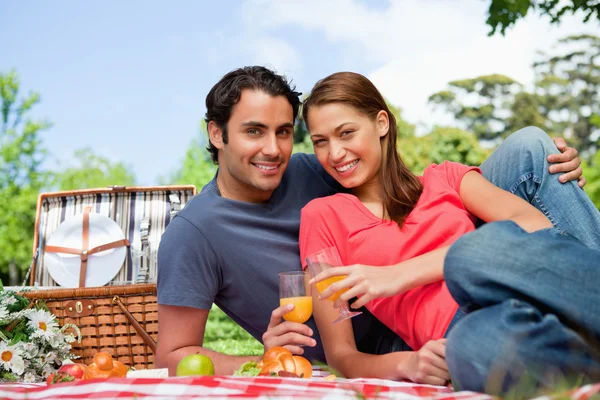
[(321, 286), (302, 310)]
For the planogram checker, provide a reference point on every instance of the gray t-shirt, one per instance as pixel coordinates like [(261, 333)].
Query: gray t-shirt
[(231, 252)]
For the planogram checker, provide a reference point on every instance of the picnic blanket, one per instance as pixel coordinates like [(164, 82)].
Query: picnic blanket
[(231, 387)]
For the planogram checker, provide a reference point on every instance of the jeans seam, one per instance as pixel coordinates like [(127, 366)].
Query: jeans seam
[(537, 198)]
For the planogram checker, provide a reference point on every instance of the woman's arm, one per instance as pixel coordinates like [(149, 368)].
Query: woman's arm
[(490, 203), (428, 365), (482, 199)]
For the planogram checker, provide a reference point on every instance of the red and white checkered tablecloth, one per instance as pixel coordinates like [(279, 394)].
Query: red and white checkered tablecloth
[(230, 387)]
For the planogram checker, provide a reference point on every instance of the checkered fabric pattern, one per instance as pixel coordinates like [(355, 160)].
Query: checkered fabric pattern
[(229, 387)]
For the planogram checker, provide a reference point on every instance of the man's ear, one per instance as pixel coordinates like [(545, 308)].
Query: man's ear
[(382, 121), (215, 135)]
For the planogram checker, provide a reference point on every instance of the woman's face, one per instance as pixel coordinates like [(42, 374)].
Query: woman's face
[(347, 142)]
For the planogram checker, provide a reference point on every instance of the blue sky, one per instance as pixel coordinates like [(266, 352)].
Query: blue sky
[(129, 78)]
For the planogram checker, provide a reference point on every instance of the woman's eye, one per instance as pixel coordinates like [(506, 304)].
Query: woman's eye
[(318, 141), (346, 133)]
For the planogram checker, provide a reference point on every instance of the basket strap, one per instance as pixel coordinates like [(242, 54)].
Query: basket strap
[(136, 325)]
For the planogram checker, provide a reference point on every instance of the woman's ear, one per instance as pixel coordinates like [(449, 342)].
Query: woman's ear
[(215, 135), (382, 121)]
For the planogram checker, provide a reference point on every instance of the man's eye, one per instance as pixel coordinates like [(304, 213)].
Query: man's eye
[(284, 132), (253, 131)]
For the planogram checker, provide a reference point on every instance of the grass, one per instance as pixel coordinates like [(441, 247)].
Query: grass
[(227, 337)]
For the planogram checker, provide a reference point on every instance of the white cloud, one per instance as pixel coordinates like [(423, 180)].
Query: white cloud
[(415, 47), (274, 53)]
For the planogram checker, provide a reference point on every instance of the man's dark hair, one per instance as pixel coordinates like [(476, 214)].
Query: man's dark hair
[(227, 92)]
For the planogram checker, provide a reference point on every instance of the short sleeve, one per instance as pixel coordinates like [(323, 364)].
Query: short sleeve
[(318, 230), (188, 268), (454, 172)]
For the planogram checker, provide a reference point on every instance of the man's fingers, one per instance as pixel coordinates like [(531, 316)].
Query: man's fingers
[(567, 155), (566, 166), (292, 339), (278, 314), (296, 350), (559, 143), (571, 176), (582, 181)]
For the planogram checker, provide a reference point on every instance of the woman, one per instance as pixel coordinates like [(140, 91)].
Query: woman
[(392, 218)]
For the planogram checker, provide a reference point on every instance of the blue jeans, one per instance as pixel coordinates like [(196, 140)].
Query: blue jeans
[(519, 165), (533, 309), (532, 314)]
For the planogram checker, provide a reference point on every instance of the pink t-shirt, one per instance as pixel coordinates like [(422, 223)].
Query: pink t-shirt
[(438, 219)]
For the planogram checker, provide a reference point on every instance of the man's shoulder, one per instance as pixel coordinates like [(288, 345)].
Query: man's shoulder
[(199, 211)]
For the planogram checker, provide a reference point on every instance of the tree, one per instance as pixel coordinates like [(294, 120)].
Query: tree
[(481, 105), (92, 171), (197, 168), (21, 154), (441, 144), (504, 13), (568, 87)]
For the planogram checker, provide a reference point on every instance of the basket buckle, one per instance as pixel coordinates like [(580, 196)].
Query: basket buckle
[(79, 308)]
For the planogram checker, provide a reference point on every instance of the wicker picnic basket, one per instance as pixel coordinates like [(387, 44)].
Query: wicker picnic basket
[(122, 316)]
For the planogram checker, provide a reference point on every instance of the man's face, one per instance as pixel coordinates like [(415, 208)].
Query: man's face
[(260, 141)]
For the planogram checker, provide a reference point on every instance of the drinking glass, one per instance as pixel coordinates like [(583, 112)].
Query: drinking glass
[(320, 261), (294, 289)]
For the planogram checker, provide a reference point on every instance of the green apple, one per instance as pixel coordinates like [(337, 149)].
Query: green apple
[(195, 364)]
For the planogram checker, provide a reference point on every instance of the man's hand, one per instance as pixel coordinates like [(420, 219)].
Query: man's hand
[(362, 281), (290, 335), (428, 365), (568, 162)]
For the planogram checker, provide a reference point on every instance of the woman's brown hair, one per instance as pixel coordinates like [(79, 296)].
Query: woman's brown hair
[(400, 188)]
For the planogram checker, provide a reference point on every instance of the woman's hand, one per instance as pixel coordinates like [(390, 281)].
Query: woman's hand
[(428, 365), (362, 281)]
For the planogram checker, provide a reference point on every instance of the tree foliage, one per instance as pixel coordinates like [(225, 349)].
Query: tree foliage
[(92, 171), (481, 105), (502, 14), (21, 179), (568, 89)]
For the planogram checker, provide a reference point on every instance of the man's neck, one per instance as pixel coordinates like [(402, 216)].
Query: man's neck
[(233, 189)]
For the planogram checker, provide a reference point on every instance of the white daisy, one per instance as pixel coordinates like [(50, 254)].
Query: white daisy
[(10, 300), (47, 370), (43, 324), (10, 358), (29, 377), (50, 357)]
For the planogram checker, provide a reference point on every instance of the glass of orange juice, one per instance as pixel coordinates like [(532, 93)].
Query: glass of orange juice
[(294, 289), (318, 262)]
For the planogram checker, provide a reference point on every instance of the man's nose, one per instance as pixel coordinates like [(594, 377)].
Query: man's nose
[(270, 146)]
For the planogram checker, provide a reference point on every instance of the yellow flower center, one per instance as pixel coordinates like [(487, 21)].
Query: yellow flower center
[(6, 356), (42, 326)]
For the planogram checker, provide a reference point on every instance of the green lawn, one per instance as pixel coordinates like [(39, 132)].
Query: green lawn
[(225, 336)]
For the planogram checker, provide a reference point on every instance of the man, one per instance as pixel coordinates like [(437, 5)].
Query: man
[(230, 242)]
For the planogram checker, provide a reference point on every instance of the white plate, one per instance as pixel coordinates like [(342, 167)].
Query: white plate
[(102, 266)]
